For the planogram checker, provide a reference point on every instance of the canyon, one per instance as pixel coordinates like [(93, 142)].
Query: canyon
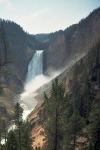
[(67, 55)]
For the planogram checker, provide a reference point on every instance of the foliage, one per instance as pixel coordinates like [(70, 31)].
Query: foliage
[(19, 138), (64, 121), (11, 141), (76, 114)]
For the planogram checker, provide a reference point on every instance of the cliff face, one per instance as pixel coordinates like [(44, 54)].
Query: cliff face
[(20, 46), (72, 42), (78, 43), (16, 49), (36, 119), (84, 70), (61, 48)]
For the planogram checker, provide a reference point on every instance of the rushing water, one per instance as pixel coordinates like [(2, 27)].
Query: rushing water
[(35, 66), (34, 80), (34, 74)]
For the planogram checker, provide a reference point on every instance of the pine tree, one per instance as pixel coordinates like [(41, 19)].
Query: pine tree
[(94, 126), (23, 133), (75, 122), (53, 105), (26, 142), (11, 141), (74, 127), (18, 122)]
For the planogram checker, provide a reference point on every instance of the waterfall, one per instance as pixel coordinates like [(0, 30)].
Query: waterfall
[(34, 80), (35, 66), (34, 74), (27, 102)]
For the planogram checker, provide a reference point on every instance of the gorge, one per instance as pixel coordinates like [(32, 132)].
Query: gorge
[(72, 56)]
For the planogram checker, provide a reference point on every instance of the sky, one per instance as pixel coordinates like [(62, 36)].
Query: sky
[(44, 16)]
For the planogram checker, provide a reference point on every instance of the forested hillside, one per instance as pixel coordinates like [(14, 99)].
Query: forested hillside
[(70, 116)]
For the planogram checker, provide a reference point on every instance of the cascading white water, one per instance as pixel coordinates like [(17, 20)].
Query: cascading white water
[(34, 80), (35, 72), (35, 66)]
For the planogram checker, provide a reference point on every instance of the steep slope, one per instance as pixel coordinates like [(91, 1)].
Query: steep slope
[(61, 48), (72, 42), (20, 46), (84, 71), (16, 49), (78, 48)]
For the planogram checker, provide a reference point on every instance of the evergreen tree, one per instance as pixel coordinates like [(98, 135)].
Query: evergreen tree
[(26, 142), (53, 105), (18, 114), (11, 141), (64, 120), (76, 121), (74, 127), (18, 122), (94, 126)]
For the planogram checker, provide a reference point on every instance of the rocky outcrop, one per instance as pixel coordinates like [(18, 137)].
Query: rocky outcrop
[(20, 46), (37, 118), (16, 49), (72, 42), (78, 73), (38, 137)]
